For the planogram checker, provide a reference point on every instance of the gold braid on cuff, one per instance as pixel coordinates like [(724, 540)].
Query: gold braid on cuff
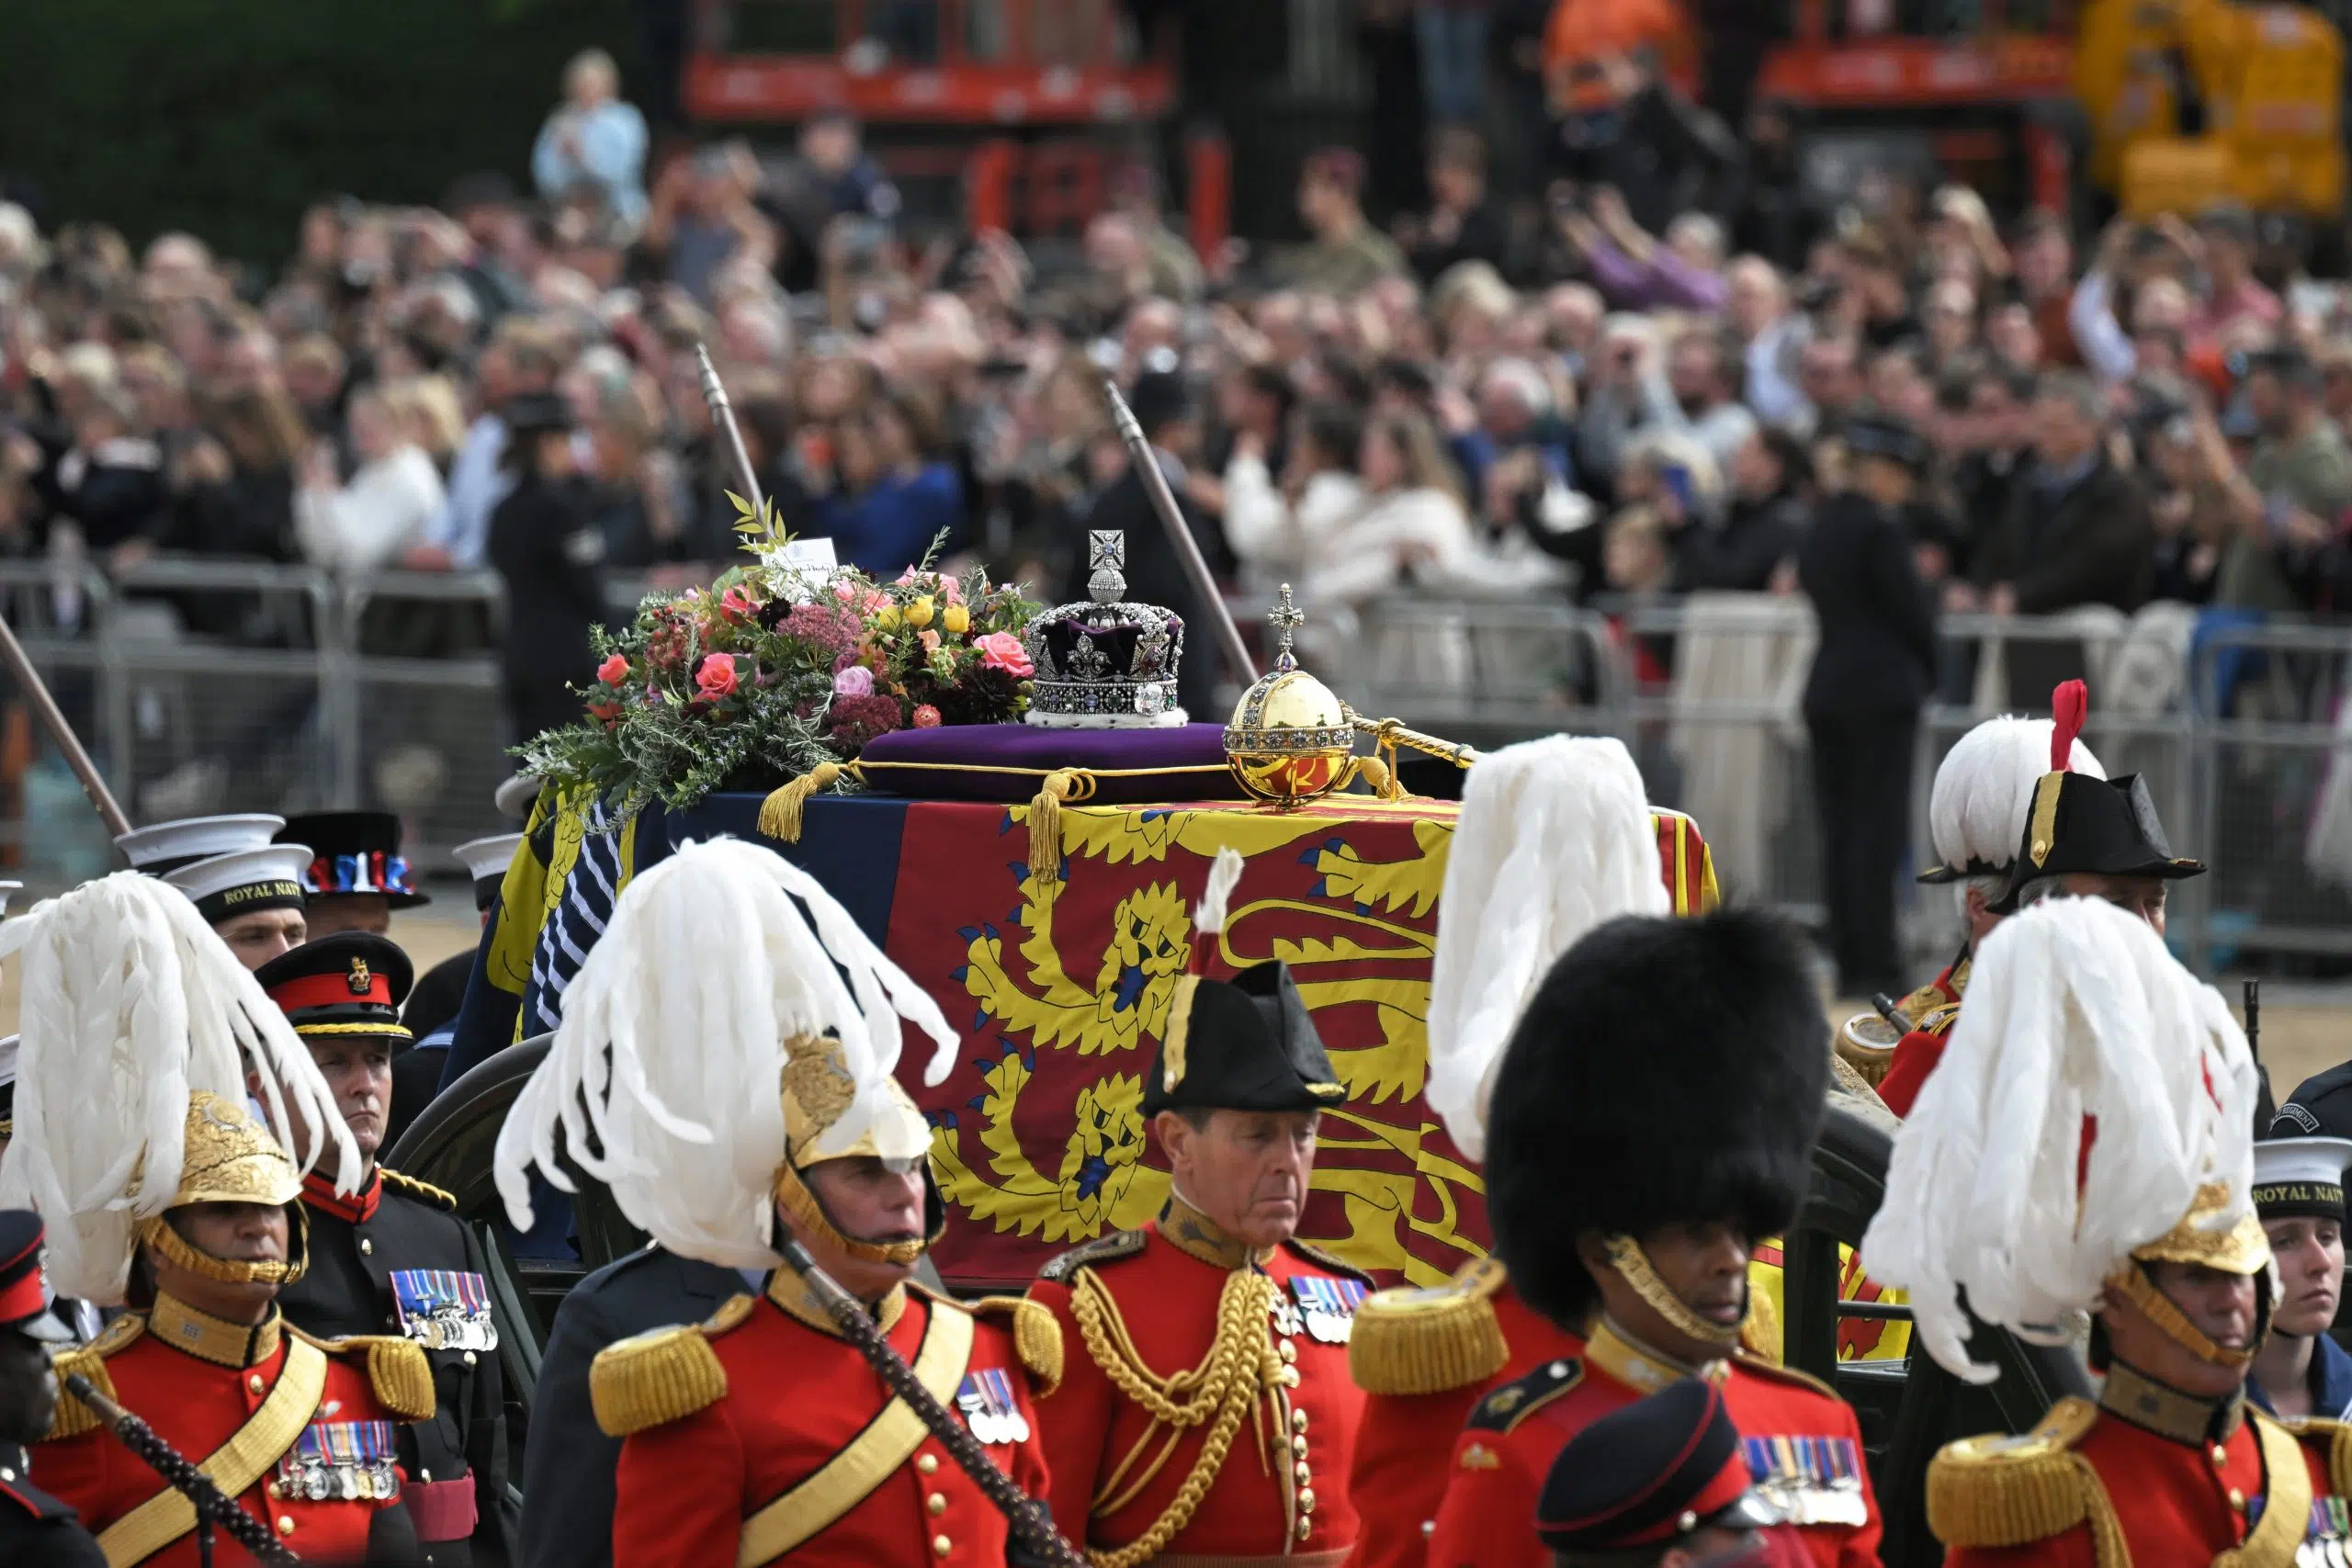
[(1632, 1266), (157, 1232)]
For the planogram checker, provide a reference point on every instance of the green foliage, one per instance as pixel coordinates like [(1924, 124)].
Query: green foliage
[(226, 118)]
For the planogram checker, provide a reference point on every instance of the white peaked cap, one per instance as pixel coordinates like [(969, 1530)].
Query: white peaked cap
[(263, 865), (1554, 838), (2074, 1009), (131, 1004), (168, 844), (1984, 789), (488, 857), (675, 1038)]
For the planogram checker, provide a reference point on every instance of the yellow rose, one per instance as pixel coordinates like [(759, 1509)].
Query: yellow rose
[(886, 618), (956, 619), (919, 612)]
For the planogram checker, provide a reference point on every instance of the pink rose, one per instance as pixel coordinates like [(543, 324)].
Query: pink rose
[(926, 717), (613, 671), (856, 680), (930, 641), (715, 677), (1003, 651), (946, 588), (736, 606)]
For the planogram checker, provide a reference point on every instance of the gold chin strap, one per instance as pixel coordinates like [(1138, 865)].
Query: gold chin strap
[(2141, 1290), (158, 1233), (809, 1216), (1634, 1266)]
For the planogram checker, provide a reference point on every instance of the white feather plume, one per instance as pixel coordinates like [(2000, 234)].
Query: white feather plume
[(1225, 876), (670, 1056), (2074, 1009), (130, 1003), (1554, 838), (1984, 788)]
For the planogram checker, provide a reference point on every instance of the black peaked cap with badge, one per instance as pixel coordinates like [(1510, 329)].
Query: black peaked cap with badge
[(1245, 1044), (37, 1531), (1667, 1070), (1651, 1475), (394, 1258)]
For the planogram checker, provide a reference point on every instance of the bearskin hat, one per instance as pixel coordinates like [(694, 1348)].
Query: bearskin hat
[(1668, 1070)]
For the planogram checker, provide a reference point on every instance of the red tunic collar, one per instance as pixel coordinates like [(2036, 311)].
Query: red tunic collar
[(318, 1192)]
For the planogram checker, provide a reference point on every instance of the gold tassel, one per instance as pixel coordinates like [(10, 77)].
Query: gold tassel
[(650, 1379), (1410, 1342), (73, 1418), (1037, 1336), (1375, 772), (402, 1376), (1046, 822), (2001, 1491), (2339, 1460), (780, 812)]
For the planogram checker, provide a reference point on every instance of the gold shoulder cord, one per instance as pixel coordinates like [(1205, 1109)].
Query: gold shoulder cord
[(1221, 1391)]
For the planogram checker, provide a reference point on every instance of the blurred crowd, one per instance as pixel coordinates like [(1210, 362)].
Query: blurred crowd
[(1628, 369)]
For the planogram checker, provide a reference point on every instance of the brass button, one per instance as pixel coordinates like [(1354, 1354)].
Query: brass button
[(940, 1546), (284, 1524), (2221, 1454), (2238, 1499), (936, 1503), (1298, 1447), (424, 1475), (1303, 1526), (1307, 1499), (274, 1489), (1290, 1377), (926, 1464), (1298, 1420), (366, 1247), (1303, 1473), (254, 1383), (1289, 1352), (471, 1359)]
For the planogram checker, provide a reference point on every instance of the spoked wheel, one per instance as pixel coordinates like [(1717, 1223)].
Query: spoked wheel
[(452, 1145), (1908, 1409)]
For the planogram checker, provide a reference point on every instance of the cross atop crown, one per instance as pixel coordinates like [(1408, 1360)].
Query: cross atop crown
[(1106, 563)]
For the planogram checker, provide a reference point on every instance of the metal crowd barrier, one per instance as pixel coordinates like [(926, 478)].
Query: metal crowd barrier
[(2243, 732)]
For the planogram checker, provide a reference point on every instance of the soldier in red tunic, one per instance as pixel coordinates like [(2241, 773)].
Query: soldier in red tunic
[(2143, 1100), (750, 1095), (1636, 1228), (1206, 1411), (1976, 814), (167, 1194)]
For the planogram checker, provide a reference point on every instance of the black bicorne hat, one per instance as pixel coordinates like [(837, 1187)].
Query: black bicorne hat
[(1245, 1044), (2079, 824)]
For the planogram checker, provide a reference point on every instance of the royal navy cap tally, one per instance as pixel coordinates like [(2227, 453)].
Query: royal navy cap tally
[(354, 852), (486, 860), (347, 984), (167, 846), (2301, 1177), (225, 886)]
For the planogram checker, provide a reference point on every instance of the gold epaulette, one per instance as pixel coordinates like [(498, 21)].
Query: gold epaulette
[(423, 1192), (2337, 1435), (1999, 1491), (1408, 1341), (1037, 1336), (666, 1375), (1749, 1361), (397, 1369), (1101, 1249), (1938, 1020), (73, 1417)]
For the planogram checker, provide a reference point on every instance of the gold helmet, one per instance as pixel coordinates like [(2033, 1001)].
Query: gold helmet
[(2239, 1246), (230, 1158), (819, 1094)]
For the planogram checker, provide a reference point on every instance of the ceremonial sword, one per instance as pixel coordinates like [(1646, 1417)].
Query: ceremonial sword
[(1032, 1524), (212, 1504)]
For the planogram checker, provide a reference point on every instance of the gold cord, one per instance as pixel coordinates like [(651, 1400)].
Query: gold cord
[(1241, 1367), (1634, 1266)]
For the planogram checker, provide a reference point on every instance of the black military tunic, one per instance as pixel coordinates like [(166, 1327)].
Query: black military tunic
[(394, 1260), (36, 1529)]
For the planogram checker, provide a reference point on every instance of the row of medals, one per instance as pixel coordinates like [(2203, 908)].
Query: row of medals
[(319, 1482), (1324, 1328), (2324, 1545)]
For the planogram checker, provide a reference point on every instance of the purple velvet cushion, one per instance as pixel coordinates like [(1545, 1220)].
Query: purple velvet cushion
[(1130, 766)]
